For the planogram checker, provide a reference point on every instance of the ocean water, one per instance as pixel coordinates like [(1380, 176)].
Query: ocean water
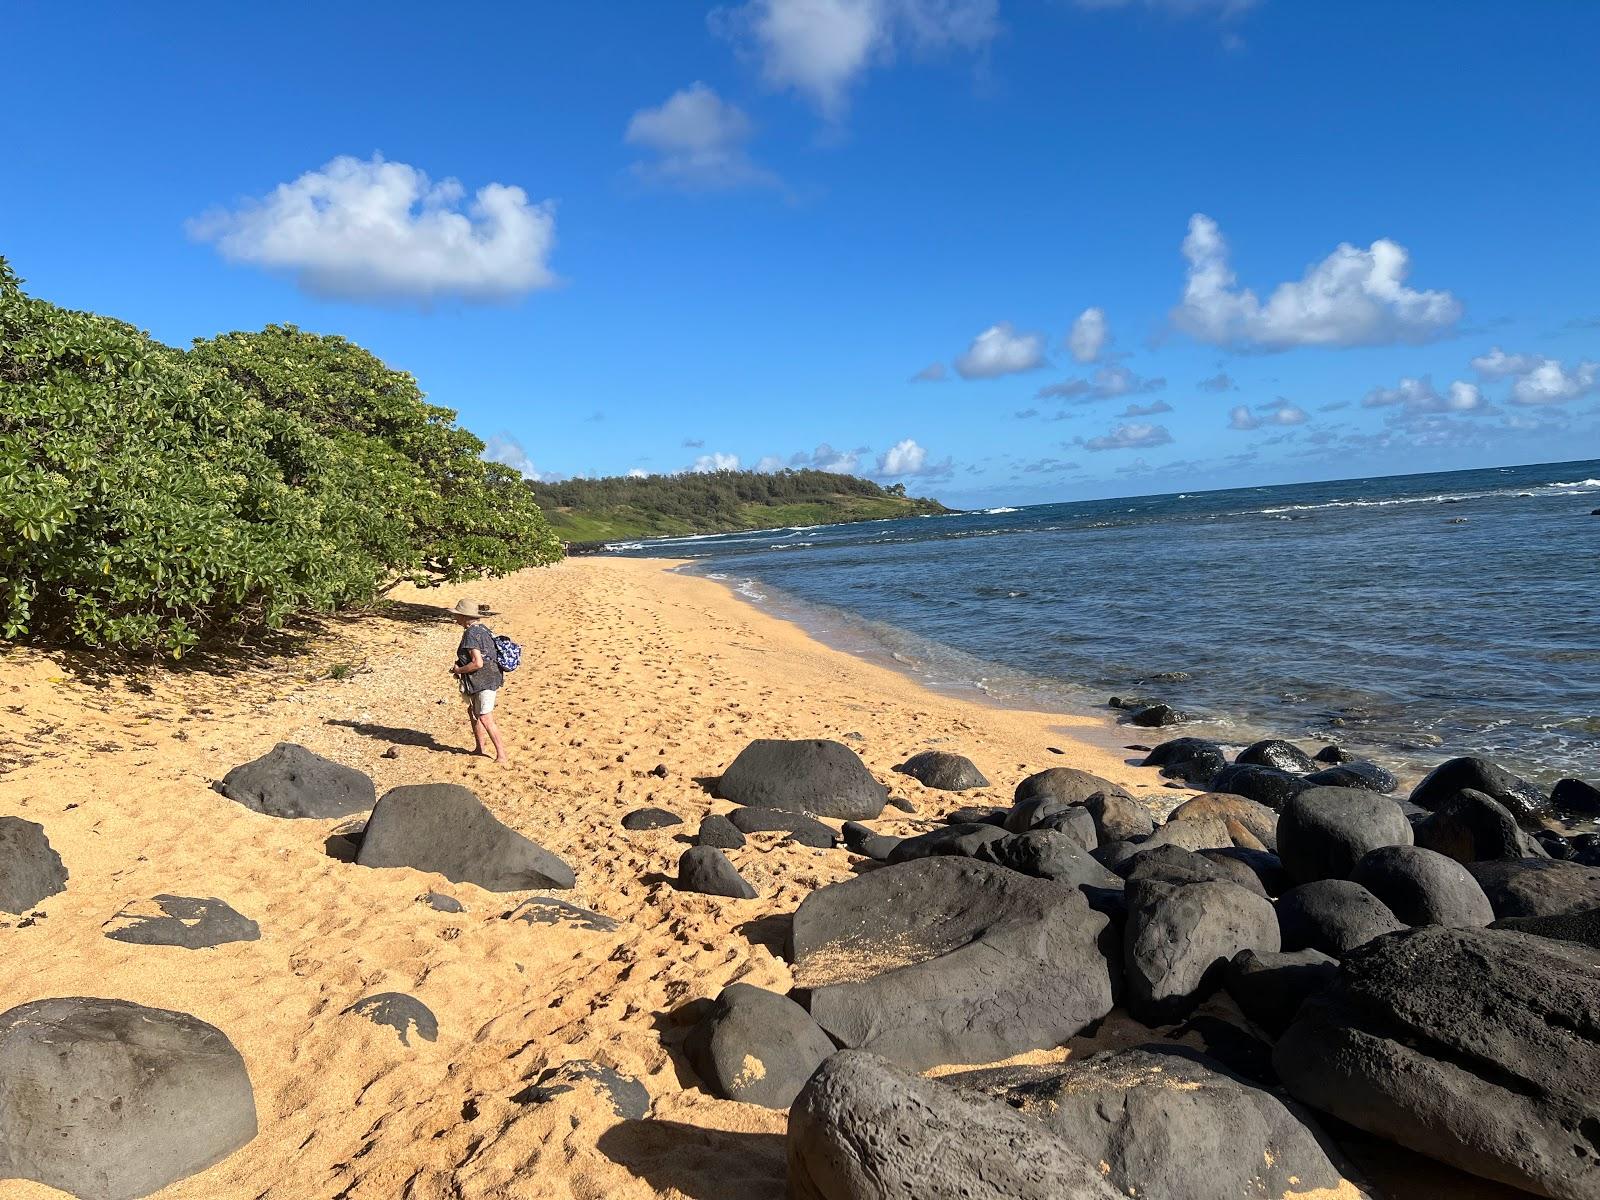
[(1408, 618)]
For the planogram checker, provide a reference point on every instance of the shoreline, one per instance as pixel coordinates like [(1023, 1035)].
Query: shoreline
[(638, 684)]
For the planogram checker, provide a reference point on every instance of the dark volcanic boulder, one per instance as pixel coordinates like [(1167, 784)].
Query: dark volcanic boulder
[(29, 869), (946, 959), (806, 830), (825, 778), (1477, 1047), (1175, 865), (1157, 716), (290, 781), (1065, 784), (864, 840), (1355, 775), (1522, 798), (1166, 1121), (1575, 796), (716, 830), (1323, 832), (1048, 854), (1250, 825), (402, 1013), (706, 870), (1206, 834), (1334, 916), (1423, 887), (1076, 822), (444, 828), (1178, 939), (1268, 869), (1269, 988), (756, 1046), (623, 1094), (976, 814), (942, 770), (863, 1129), (1537, 887), (1279, 755), (1118, 817), (1333, 755), (110, 1100), (650, 818), (1264, 785), (1581, 927), (1473, 827), (1194, 760), (191, 922), (959, 840)]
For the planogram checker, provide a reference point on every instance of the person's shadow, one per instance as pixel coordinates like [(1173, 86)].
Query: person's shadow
[(398, 736), (702, 1163)]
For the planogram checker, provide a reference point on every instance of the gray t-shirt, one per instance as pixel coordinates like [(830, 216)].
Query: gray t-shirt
[(487, 678)]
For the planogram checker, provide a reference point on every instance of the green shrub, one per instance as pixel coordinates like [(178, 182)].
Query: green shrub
[(150, 497)]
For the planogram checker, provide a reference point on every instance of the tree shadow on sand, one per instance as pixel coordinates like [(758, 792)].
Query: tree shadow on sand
[(399, 736), (700, 1163)]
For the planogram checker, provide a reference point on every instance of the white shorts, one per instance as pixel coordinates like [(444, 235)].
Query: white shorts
[(481, 703)]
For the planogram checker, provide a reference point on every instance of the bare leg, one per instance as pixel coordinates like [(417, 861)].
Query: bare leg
[(477, 730), (486, 722)]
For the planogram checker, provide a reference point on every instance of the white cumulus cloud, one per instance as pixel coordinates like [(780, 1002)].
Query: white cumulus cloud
[(1354, 297), (698, 140), (383, 231), (1133, 436), (906, 459), (508, 451), (1497, 364), (1418, 395), (1107, 383), (1552, 383), (819, 48), (1089, 335), (708, 463), (1001, 350)]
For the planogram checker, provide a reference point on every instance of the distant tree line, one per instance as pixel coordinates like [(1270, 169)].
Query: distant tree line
[(150, 496)]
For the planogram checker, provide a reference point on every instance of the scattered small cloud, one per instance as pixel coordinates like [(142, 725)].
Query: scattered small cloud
[(508, 451), (1132, 436), (694, 443), (697, 140), (1334, 406), (377, 231), (1240, 417), (1273, 412), (1107, 383), (1220, 382), (638, 473), (1088, 336), (1583, 323), (1552, 383), (906, 459), (1001, 350), (594, 418), (1418, 395), (821, 48), (1050, 466), (1497, 364), (708, 463), (1026, 414), (1353, 297), (1147, 410), (932, 373)]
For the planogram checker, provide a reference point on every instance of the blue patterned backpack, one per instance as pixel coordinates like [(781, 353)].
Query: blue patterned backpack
[(507, 653)]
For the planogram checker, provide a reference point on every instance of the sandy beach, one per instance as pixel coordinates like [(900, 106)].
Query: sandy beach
[(637, 684)]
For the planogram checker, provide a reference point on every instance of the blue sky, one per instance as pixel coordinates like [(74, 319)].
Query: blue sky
[(1127, 245)]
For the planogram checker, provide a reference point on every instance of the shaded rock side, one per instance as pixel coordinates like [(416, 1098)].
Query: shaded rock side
[(756, 1046)]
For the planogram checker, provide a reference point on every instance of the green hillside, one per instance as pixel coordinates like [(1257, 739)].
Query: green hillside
[(583, 511)]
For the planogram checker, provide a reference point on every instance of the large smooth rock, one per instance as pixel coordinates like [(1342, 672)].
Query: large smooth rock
[(863, 1129), (192, 922), (1251, 825), (942, 770), (1355, 774), (1264, 785), (1537, 887), (961, 841), (1423, 887), (1323, 832), (1076, 822), (1065, 784), (1166, 1121), (30, 871), (650, 818), (716, 830), (756, 1046), (1118, 817), (1178, 939), (1582, 927), (1049, 854), (1196, 761), (1279, 755), (1333, 916), (864, 840), (1477, 1047), (444, 828), (1521, 798), (814, 776), (1575, 796), (291, 781), (1269, 988), (109, 1100), (801, 828), (1175, 865), (707, 870), (1470, 826), (946, 960)]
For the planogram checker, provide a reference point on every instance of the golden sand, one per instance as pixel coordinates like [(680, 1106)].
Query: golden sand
[(627, 668)]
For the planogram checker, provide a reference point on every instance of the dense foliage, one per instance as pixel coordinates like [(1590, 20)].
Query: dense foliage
[(716, 501), (151, 496)]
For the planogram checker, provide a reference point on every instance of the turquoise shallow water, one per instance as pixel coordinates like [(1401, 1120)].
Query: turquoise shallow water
[(1411, 618)]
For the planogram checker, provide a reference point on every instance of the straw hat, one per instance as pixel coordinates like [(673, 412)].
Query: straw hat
[(469, 608)]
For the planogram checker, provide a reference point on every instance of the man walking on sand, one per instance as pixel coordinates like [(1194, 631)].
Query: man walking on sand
[(478, 670)]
